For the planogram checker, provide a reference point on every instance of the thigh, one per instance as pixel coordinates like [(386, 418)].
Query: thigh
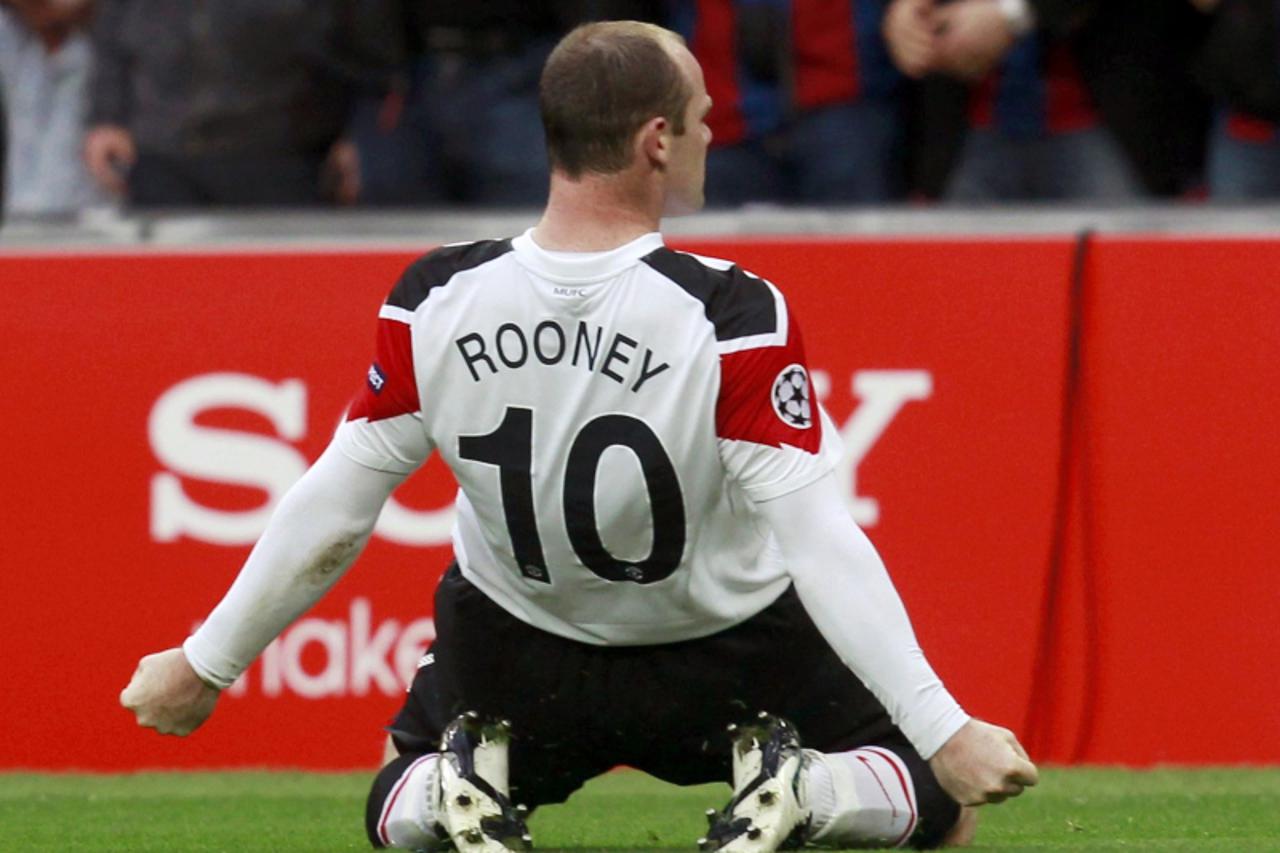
[(831, 708), (743, 173), (848, 153), (1241, 169), (683, 696), (255, 180), (398, 164), (156, 180), (990, 168), (1086, 165), (510, 167), (496, 142), (688, 693), (487, 661)]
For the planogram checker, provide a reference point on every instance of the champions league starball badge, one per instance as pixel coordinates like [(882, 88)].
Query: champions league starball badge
[(791, 397)]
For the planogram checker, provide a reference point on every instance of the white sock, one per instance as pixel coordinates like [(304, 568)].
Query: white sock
[(860, 798), (408, 817)]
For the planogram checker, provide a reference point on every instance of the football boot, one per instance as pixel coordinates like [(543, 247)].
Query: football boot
[(766, 812), (473, 804)]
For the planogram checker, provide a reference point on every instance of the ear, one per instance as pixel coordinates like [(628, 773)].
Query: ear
[(654, 140)]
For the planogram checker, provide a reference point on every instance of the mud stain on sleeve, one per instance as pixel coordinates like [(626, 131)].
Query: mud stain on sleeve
[(322, 568)]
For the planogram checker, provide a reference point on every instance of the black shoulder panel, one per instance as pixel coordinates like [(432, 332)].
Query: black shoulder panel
[(436, 267), (737, 304)]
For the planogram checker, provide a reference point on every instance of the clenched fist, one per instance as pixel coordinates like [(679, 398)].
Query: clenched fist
[(166, 694), (983, 763)]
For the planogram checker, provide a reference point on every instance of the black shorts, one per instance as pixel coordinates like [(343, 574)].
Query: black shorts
[(578, 710)]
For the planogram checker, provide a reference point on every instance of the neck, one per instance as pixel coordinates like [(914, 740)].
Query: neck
[(596, 213)]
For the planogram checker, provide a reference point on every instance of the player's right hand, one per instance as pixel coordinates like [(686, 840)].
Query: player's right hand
[(165, 694), (982, 763), (109, 153)]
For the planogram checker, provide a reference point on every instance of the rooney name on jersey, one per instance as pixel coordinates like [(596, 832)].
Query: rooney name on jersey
[(549, 343)]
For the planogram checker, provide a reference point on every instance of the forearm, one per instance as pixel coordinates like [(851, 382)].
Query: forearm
[(846, 590), (315, 534)]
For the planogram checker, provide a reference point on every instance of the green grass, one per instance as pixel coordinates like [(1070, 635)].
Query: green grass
[(1095, 809)]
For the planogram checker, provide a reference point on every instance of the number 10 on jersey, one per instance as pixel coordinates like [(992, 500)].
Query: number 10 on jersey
[(510, 448)]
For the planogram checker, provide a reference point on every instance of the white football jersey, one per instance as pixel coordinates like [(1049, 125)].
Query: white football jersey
[(611, 418)]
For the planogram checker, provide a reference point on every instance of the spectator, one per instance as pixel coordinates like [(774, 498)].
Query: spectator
[(200, 104), (806, 103), (1073, 99), (1240, 68), (473, 89), (44, 76)]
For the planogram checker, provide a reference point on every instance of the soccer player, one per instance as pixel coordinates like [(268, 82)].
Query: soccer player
[(650, 546)]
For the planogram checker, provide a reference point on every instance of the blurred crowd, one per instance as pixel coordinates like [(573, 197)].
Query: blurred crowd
[(414, 103)]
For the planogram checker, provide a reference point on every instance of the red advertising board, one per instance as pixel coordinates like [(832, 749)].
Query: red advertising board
[(159, 404), (1169, 643)]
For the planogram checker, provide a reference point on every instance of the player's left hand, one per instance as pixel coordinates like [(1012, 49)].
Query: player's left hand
[(165, 694), (983, 763)]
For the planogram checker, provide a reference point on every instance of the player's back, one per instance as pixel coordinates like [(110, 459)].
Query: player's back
[(577, 398)]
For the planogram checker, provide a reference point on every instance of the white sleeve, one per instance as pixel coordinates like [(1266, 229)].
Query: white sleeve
[(395, 445), (766, 470), (846, 590), (320, 527)]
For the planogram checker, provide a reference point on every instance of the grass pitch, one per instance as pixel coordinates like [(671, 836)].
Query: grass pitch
[(1072, 809)]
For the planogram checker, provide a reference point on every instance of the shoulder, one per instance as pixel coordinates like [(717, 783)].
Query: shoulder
[(739, 304), (438, 267)]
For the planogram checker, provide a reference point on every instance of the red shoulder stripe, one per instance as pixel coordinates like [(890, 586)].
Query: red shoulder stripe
[(390, 388), (766, 396)]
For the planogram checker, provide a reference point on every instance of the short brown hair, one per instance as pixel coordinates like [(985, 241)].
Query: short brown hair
[(600, 85)]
